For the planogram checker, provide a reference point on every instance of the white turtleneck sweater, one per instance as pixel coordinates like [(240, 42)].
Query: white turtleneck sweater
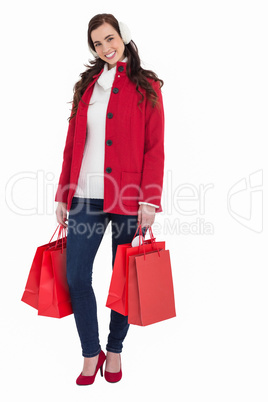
[(91, 176)]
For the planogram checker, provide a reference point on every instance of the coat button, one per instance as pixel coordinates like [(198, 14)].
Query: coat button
[(115, 90), (109, 142), (108, 170), (110, 115), (120, 69)]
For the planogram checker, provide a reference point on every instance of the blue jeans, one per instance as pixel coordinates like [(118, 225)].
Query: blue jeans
[(87, 223)]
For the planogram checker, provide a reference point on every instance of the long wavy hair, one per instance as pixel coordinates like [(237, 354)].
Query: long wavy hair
[(138, 75)]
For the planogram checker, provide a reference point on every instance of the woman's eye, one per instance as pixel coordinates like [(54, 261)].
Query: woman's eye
[(109, 40)]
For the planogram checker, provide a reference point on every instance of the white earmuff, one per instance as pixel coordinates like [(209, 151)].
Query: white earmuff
[(125, 32)]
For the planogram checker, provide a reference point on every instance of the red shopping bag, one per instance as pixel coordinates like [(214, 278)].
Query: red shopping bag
[(117, 299), (46, 288), (150, 288), (31, 293)]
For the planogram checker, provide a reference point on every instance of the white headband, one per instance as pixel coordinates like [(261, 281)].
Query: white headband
[(125, 34)]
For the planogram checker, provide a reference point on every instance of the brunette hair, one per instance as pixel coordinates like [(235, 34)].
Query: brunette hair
[(135, 72)]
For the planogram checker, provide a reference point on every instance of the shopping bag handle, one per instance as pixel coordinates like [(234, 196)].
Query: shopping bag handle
[(150, 231), (63, 233), (63, 239), (149, 241)]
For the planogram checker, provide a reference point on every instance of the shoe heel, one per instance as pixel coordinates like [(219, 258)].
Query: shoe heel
[(101, 371)]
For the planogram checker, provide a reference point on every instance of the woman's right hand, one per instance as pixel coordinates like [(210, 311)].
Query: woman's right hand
[(61, 213)]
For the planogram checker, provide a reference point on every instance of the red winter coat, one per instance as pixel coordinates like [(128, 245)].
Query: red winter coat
[(134, 148)]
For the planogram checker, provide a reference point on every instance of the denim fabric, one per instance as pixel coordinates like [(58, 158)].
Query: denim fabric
[(87, 223)]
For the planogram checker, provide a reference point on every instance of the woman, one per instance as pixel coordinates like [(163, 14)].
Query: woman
[(113, 165)]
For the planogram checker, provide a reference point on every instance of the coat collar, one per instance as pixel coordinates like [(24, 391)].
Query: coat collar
[(117, 68), (106, 78)]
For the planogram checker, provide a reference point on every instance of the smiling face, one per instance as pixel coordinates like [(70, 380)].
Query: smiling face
[(108, 44)]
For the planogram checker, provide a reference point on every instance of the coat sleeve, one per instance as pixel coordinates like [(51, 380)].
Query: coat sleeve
[(154, 156), (64, 180)]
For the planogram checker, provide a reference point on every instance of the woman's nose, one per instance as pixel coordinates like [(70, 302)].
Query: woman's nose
[(105, 49)]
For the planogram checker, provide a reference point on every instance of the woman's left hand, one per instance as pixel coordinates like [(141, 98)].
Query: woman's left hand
[(146, 215)]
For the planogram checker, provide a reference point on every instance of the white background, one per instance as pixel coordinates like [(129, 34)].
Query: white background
[(212, 56)]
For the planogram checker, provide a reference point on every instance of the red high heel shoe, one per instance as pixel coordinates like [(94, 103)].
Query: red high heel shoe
[(89, 379), (113, 377)]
